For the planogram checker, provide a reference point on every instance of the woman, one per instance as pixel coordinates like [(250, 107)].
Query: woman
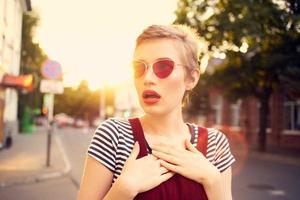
[(159, 156)]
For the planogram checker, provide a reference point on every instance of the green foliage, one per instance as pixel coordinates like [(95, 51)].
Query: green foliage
[(271, 32), (32, 57), (198, 103), (261, 40), (232, 22), (78, 102)]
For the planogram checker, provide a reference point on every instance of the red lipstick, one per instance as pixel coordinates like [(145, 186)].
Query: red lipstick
[(150, 97)]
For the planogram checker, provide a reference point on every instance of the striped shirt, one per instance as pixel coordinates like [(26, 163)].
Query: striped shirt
[(113, 142)]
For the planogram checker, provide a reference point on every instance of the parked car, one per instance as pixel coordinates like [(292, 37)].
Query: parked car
[(80, 123), (63, 120), (40, 121), (96, 122)]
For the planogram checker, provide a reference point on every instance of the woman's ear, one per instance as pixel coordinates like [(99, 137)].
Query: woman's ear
[(193, 79)]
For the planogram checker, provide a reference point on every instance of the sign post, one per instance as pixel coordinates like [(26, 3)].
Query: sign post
[(50, 85)]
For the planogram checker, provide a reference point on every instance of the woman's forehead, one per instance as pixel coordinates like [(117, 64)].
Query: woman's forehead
[(152, 49)]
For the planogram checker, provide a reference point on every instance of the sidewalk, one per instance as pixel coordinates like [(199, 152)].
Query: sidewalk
[(242, 150), (287, 156), (25, 161)]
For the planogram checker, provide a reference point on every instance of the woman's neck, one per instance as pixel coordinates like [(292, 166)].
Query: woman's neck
[(169, 124)]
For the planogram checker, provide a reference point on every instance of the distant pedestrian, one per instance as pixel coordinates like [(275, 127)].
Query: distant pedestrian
[(158, 155)]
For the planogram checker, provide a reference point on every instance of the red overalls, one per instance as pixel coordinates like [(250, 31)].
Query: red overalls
[(178, 187)]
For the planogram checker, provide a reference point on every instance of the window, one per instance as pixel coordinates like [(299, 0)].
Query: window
[(235, 113), (217, 107), (292, 115)]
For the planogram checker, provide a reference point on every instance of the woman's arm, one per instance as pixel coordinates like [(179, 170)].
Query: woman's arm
[(97, 179), (96, 183), (219, 186), (226, 177)]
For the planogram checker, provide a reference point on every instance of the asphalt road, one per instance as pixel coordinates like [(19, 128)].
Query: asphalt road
[(256, 179), (266, 180), (253, 179), (75, 142)]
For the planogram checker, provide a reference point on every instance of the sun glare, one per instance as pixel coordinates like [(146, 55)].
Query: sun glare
[(94, 41)]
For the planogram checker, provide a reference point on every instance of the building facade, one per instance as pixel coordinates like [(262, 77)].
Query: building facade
[(11, 12), (242, 117)]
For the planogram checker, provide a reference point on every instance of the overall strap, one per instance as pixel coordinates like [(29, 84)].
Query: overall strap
[(202, 140), (138, 136)]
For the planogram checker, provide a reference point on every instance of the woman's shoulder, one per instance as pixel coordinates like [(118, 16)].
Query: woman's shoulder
[(213, 133), (115, 123), (116, 128), (218, 149)]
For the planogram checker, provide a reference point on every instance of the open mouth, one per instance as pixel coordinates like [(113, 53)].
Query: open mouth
[(150, 96)]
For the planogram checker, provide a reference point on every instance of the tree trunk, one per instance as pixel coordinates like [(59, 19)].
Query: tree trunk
[(263, 120)]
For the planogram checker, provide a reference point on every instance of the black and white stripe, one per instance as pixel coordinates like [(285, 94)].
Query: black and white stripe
[(113, 141)]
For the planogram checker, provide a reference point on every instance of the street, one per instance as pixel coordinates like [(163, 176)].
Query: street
[(258, 179), (266, 180)]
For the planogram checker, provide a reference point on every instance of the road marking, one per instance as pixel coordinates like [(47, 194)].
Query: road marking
[(277, 192)]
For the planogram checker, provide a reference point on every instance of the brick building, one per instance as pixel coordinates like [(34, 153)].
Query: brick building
[(242, 117)]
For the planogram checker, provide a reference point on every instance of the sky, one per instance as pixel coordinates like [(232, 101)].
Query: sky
[(94, 39)]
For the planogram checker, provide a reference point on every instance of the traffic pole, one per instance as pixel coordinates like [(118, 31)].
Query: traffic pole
[(50, 84), (50, 105)]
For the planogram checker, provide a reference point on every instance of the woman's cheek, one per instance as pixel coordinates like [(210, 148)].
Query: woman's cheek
[(175, 90)]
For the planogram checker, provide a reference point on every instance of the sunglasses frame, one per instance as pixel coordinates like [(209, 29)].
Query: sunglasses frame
[(152, 64)]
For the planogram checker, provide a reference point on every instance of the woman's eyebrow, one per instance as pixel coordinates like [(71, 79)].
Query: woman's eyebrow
[(163, 58), (157, 59), (139, 60)]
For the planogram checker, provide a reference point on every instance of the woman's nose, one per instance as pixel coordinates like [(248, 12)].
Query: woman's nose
[(149, 76)]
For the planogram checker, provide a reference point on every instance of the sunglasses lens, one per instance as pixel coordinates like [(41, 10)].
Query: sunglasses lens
[(163, 68), (138, 69)]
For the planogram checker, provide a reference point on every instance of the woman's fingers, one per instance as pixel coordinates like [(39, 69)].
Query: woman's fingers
[(171, 167), (190, 147), (166, 157), (166, 176), (150, 156), (163, 170)]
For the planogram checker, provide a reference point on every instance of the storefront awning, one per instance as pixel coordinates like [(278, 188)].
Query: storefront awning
[(24, 82)]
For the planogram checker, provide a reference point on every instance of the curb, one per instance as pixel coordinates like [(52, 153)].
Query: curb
[(47, 175), (276, 158), (269, 157)]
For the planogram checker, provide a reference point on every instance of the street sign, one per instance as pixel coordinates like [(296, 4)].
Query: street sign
[(51, 69), (51, 86)]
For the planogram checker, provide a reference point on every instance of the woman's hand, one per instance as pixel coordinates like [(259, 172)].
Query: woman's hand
[(140, 175), (188, 162)]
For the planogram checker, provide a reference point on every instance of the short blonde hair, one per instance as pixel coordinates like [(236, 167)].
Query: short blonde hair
[(186, 36)]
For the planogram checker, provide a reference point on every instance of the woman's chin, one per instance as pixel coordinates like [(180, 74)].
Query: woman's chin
[(153, 110)]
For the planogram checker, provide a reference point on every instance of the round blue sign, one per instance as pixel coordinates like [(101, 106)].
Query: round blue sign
[(51, 69)]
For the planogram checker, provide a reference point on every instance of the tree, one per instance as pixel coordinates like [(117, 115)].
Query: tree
[(78, 102), (198, 101), (261, 42), (32, 57)]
